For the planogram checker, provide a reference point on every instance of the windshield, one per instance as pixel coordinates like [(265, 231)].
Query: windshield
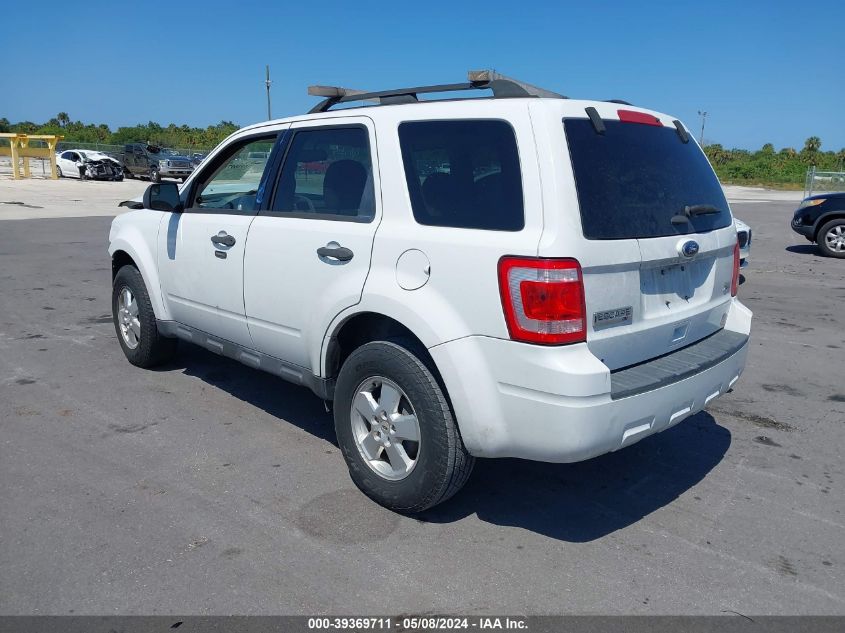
[(640, 181), (152, 149)]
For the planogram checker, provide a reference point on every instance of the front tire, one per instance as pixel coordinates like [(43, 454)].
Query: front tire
[(155, 176), (135, 322), (831, 238), (396, 430)]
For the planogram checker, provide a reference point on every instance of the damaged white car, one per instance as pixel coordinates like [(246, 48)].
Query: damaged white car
[(78, 163)]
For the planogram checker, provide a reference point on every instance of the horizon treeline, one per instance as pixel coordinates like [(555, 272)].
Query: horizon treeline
[(767, 164), (172, 135)]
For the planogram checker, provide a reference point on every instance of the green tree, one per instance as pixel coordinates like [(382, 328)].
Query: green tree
[(63, 119), (812, 144)]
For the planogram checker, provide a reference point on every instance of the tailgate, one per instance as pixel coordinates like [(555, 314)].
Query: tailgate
[(657, 260)]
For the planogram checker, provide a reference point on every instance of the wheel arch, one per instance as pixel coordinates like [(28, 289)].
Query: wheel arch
[(824, 219), (359, 328), (124, 253)]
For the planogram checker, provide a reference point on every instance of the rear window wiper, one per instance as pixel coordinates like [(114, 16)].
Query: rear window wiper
[(694, 210), (701, 209)]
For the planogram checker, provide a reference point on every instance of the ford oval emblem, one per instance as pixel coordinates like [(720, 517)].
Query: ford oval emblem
[(689, 249)]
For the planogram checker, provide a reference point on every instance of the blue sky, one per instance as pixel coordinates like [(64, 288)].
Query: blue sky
[(764, 71)]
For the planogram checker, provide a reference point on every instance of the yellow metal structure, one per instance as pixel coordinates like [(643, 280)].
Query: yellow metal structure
[(19, 148)]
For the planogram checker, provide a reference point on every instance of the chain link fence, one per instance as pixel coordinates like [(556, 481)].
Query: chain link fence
[(823, 181)]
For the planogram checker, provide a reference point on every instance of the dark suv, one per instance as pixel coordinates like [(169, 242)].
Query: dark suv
[(821, 219)]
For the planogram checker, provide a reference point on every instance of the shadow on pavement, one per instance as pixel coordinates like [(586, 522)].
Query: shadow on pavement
[(805, 249), (571, 502), (585, 501), (281, 399)]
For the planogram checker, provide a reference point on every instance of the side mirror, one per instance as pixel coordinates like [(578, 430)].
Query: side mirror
[(163, 196)]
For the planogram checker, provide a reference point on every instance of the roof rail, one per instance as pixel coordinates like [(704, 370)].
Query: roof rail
[(502, 87)]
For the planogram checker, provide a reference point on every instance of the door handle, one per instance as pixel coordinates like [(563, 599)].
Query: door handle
[(340, 253), (223, 239)]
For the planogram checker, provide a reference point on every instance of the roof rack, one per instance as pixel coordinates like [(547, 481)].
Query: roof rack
[(502, 87)]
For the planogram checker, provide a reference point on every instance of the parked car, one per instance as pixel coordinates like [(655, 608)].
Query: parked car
[(821, 219), (97, 166), (142, 160), (532, 298), (743, 236)]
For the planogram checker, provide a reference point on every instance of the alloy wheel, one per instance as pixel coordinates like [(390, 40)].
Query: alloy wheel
[(127, 318), (835, 239), (385, 428)]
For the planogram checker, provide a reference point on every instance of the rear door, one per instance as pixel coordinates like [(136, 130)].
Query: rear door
[(658, 251), (308, 255)]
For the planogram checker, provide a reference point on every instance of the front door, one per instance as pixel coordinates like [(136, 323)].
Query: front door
[(67, 164), (309, 254), (201, 250)]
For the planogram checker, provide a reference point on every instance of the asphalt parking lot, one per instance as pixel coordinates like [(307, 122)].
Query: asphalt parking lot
[(210, 488)]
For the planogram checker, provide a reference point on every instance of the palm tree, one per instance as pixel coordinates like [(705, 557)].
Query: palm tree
[(812, 144), (63, 118)]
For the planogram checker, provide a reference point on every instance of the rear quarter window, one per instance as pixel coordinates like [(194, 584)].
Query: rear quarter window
[(463, 174), (633, 179)]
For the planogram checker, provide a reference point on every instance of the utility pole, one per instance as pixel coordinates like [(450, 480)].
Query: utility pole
[(267, 83), (703, 116)]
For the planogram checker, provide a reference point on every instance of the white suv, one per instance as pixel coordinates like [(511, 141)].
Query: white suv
[(519, 276)]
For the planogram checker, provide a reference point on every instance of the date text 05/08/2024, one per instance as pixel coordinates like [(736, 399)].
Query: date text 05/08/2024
[(427, 623)]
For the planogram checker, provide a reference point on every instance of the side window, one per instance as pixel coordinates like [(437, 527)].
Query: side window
[(233, 182), (66, 155), (327, 171), (463, 174)]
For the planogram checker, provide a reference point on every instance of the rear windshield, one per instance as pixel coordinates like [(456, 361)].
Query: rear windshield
[(635, 178)]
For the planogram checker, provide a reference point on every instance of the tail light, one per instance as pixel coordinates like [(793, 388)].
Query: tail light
[(632, 116), (543, 300), (735, 278)]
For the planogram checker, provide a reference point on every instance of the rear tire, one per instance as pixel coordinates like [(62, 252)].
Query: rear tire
[(384, 397), (135, 321), (831, 239), (59, 173)]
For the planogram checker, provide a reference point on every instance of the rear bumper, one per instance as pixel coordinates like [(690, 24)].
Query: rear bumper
[(563, 404)]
